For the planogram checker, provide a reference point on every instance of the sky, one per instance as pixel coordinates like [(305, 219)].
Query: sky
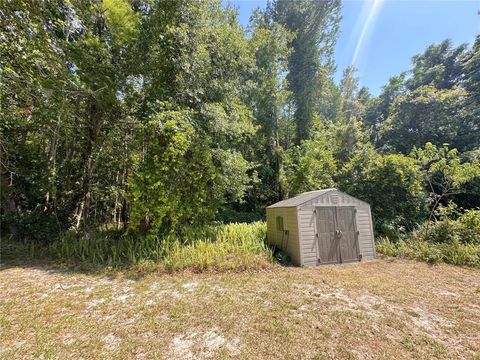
[(379, 37)]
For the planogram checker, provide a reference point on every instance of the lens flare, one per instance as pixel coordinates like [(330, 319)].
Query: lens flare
[(371, 15)]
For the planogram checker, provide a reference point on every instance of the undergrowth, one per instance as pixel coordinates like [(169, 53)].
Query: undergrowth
[(448, 241), (211, 247)]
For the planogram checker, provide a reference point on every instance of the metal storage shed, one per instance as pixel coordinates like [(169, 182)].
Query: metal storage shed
[(322, 227)]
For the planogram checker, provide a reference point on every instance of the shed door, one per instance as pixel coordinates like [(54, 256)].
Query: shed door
[(347, 232), (328, 251), (337, 234)]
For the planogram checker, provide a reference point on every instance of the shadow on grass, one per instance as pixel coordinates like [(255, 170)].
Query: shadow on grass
[(18, 255)]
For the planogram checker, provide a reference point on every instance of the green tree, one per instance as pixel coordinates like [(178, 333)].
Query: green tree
[(426, 115), (163, 192), (315, 26), (196, 58), (391, 184), (445, 173), (310, 166), (471, 82), (439, 65), (379, 108), (268, 97)]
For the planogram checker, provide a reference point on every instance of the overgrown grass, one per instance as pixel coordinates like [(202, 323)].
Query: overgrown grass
[(212, 247), (454, 253), (448, 241)]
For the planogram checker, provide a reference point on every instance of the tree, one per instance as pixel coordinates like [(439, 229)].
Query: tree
[(439, 65), (349, 93), (444, 172), (268, 98), (197, 60), (391, 184), (471, 82), (315, 25), (379, 108), (163, 194), (310, 166), (425, 115)]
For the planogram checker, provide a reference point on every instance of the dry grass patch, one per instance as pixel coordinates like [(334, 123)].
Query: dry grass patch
[(378, 309)]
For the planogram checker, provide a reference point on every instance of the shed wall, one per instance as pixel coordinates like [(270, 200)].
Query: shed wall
[(334, 198), (290, 223)]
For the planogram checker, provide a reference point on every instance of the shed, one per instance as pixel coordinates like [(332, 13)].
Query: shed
[(322, 227)]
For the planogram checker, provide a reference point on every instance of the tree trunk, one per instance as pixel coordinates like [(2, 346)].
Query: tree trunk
[(9, 205), (82, 210)]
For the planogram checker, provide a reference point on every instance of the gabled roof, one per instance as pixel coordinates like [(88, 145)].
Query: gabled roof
[(301, 198)]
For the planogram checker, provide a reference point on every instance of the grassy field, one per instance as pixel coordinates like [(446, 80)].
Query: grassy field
[(378, 309)]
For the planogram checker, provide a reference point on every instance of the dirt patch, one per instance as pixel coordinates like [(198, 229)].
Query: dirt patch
[(404, 309), (205, 345), (191, 286), (112, 342)]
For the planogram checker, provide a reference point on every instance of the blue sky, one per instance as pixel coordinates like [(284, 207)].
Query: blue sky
[(393, 32)]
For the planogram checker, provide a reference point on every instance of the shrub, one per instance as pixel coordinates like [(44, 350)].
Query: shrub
[(454, 252), (391, 184), (470, 221), (446, 241), (465, 230)]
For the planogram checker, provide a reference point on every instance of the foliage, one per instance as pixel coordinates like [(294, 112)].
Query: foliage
[(426, 114), (310, 166), (391, 184), (148, 116), (436, 101), (445, 173), (227, 247), (454, 253), (315, 26), (268, 95), (465, 229), (440, 65), (163, 194), (449, 240), (232, 246)]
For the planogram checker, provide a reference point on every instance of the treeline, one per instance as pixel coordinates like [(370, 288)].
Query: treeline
[(151, 115)]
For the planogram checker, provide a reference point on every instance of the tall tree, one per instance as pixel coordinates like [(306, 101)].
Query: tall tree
[(268, 99), (425, 115), (379, 109), (439, 65), (196, 61), (315, 26)]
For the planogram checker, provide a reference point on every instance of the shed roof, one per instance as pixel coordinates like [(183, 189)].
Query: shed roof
[(301, 198)]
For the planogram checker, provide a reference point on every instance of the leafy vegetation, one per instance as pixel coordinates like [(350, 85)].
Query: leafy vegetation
[(445, 241), (211, 247), (150, 117)]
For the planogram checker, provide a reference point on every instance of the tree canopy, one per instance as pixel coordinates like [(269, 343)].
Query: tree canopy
[(151, 115)]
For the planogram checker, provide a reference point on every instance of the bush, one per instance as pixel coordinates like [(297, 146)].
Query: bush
[(212, 247), (470, 227), (447, 241), (465, 230), (391, 184), (454, 253)]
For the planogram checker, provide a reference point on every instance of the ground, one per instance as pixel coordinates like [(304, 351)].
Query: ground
[(378, 309)]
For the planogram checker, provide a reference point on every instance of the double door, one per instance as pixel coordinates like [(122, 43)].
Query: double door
[(337, 235)]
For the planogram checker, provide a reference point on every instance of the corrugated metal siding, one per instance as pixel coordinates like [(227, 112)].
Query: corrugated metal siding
[(290, 223)]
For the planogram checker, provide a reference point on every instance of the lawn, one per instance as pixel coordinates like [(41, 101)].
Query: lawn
[(379, 309)]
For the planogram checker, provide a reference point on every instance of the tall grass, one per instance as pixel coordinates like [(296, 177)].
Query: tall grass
[(448, 241), (215, 247), (454, 253)]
